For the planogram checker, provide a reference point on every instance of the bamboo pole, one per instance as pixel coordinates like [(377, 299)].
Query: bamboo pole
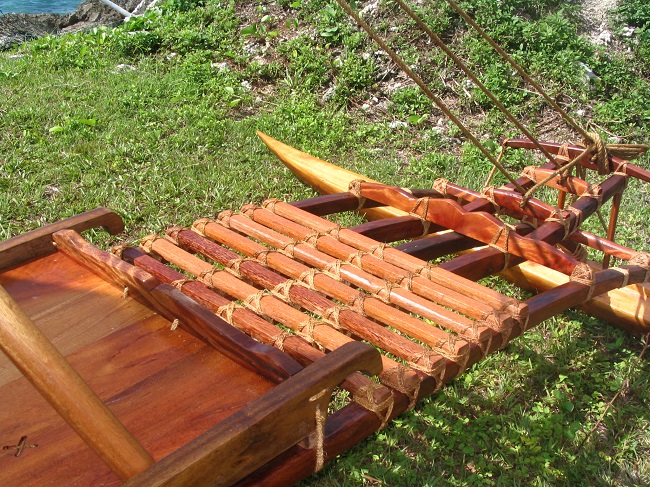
[(398, 259), (376, 303), (243, 319), (421, 279), (66, 391)]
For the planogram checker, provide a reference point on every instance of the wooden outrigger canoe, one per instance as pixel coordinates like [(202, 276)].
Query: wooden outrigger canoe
[(208, 356), (627, 308)]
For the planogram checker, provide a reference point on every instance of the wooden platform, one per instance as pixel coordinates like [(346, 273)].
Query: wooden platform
[(167, 387)]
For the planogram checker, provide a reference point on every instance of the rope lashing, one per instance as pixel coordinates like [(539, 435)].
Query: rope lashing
[(365, 396), (594, 142), (321, 416), (355, 188), (583, 274)]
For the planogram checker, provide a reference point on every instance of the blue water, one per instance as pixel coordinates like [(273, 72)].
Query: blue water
[(39, 6)]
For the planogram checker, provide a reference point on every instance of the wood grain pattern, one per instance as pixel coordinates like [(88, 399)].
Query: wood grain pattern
[(66, 391), (55, 291), (234, 448), (38, 243), (321, 332), (238, 346)]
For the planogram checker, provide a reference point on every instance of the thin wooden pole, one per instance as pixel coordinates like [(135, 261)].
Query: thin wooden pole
[(56, 380), (613, 218)]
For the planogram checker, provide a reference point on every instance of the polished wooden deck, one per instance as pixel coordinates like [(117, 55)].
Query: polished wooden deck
[(167, 387)]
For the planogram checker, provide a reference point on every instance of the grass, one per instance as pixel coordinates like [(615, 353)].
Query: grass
[(156, 119)]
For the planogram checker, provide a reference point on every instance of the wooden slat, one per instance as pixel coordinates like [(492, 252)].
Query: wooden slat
[(321, 332), (38, 243), (244, 319), (336, 264), (441, 342)]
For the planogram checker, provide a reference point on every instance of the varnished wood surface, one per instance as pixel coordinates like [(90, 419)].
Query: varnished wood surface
[(232, 449), (238, 346), (54, 292), (64, 389), (166, 386), (38, 243)]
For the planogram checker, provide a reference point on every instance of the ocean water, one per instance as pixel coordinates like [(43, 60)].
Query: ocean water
[(39, 6)]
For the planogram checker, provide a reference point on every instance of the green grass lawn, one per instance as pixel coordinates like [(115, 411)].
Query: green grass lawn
[(156, 119)]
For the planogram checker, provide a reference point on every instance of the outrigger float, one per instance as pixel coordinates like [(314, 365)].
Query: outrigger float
[(208, 355)]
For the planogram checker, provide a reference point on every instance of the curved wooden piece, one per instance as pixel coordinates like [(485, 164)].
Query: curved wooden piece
[(54, 378), (324, 177), (262, 430), (623, 308), (38, 243), (477, 225)]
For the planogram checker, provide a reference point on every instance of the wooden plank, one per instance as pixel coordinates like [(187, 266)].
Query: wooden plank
[(166, 386), (263, 429), (263, 359), (38, 243), (65, 390), (56, 292)]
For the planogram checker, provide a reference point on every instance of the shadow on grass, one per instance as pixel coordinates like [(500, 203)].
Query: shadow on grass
[(528, 415)]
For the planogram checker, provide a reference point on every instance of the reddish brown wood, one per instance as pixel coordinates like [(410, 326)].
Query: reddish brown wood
[(321, 332), (566, 183), (136, 282), (478, 225), (268, 426), (234, 344), (38, 243), (613, 218), (55, 292), (409, 265), (329, 203), (247, 321), (608, 247), (332, 257), (366, 329), (571, 294), (263, 359), (615, 164), (393, 229), (242, 318), (66, 391)]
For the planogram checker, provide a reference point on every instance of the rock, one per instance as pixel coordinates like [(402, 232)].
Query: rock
[(397, 124), (18, 28)]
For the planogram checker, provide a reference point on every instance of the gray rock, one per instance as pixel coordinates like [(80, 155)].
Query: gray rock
[(18, 28)]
